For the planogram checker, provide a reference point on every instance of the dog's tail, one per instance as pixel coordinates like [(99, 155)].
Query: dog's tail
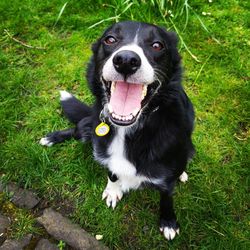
[(73, 109)]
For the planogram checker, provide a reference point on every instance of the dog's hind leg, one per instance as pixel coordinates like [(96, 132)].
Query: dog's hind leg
[(57, 137), (82, 132), (78, 113)]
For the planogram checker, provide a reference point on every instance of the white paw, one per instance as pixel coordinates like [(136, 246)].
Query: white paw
[(112, 193), (183, 177), (169, 232), (46, 142)]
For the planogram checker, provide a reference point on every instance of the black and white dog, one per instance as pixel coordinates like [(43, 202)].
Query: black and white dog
[(141, 123)]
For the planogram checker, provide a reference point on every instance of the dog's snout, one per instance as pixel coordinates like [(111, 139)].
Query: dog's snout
[(126, 62)]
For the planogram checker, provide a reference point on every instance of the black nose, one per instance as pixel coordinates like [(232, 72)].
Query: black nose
[(126, 62)]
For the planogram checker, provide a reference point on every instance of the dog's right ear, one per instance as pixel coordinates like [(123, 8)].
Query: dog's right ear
[(92, 75), (95, 46)]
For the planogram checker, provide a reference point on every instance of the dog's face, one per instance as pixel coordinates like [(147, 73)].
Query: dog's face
[(134, 61)]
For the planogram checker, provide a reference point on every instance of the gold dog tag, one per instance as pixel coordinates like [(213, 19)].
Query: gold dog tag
[(102, 129)]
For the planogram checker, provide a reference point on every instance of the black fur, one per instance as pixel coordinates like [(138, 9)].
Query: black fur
[(159, 144)]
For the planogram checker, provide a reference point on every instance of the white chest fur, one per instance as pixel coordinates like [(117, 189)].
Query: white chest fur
[(118, 163)]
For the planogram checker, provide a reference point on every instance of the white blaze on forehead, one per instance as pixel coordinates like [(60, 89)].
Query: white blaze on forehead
[(145, 74), (136, 36)]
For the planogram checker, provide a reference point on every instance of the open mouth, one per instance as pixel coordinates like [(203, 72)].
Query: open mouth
[(126, 100)]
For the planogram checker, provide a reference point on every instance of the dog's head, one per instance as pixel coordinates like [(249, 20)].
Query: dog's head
[(132, 62)]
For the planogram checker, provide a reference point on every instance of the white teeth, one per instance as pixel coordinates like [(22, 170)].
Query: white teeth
[(144, 91), (118, 117), (122, 118), (112, 89)]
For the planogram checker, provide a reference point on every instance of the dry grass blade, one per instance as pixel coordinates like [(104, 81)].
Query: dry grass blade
[(22, 43)]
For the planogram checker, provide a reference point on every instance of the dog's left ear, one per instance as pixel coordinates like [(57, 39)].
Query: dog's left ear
[(173, 38), (170, 37)]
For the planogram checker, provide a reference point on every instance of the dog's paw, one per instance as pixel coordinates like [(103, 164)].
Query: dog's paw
[(46, 141), (183, 177), (112, 193), (170, 229), (169, 232)]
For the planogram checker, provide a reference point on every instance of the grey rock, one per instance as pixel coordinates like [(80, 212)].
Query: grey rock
[(62, 228), (45, 244), (21, 197), (4, 223), (16, 244)]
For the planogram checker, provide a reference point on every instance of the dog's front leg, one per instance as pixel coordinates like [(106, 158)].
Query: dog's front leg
[(113, 191), (168, 224)]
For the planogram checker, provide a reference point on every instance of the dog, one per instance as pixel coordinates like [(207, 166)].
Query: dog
[(142, 121)]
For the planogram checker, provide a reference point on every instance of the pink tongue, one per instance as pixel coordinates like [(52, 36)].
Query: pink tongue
[(126, 98)]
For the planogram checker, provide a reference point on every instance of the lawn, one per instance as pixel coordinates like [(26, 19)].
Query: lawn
[(212, 207)]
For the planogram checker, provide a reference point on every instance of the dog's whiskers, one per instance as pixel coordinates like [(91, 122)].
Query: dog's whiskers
[(160, 73)]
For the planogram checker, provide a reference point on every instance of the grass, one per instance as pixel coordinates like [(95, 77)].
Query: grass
[(22, 221), (212, 207)]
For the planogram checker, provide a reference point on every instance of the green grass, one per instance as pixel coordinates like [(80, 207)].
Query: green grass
[(212, 207)]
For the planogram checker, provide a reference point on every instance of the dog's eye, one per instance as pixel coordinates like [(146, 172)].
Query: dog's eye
[(110, 40), (157, 46)]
